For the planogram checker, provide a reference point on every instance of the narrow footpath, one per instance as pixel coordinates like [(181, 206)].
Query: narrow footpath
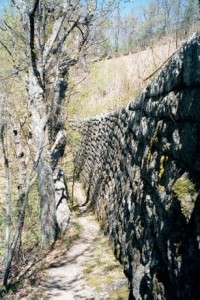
[(89, 269)]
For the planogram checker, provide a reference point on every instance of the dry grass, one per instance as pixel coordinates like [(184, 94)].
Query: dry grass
[(113, 83)]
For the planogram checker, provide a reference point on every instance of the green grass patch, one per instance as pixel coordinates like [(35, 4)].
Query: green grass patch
[(103, 271), (184, 191)]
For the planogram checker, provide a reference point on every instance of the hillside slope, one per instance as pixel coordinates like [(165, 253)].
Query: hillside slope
[(112, 83)]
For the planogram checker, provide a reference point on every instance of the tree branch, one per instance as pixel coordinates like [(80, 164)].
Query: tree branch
[(34, 8), (53, 37), (7, 50), (159, 68), (18, 34), (76, 25)]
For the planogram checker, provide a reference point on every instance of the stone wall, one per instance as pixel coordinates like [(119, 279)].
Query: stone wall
[(141, 169)]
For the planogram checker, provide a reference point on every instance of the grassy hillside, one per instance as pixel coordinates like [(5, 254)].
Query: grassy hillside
[(112, 83)]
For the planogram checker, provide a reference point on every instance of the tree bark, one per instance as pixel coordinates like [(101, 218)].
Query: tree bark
[(7, 199), (61, 197), (58, 136), (46, 189), (49, 226)]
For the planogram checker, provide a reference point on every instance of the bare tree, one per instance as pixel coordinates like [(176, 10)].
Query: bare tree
[(24, 184), (42, 39), (55, 34)]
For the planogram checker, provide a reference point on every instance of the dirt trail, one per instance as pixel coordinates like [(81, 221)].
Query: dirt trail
[(66, 277)]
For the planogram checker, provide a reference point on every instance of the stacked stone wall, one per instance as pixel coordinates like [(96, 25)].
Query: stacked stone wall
[(141, 168)]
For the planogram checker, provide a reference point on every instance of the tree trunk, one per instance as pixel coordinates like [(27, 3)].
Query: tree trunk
[(40, 135), (62, 209), (7, 202), (49, 227), (58, 136), (22, 172)]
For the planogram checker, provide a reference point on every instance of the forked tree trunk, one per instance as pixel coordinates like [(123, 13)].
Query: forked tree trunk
[(47, 36)]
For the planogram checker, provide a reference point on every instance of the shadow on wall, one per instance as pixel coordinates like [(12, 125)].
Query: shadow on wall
[(141, 167)]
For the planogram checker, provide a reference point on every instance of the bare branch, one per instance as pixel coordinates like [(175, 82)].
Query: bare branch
[(56, 30), (65, 35), (7, 50), (34, 8), (159, 68), (16, 72), (76, 25), (12, 30), (19, 4)]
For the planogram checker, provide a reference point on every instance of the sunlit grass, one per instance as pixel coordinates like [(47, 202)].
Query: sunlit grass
[(103, 271), (113, 83)]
